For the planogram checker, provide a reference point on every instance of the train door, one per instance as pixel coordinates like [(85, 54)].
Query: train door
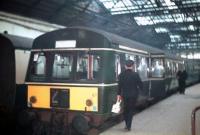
[(117, 66), (142, 68), (157, 77), (172, 80)]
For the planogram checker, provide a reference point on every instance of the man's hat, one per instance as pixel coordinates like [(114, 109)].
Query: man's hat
[(129, 63)]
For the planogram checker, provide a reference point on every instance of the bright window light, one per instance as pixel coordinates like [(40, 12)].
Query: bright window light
[(161, 30), (191, 1), (119, 6), (184, 28), (196, 55), (191, 27), (175, 38), (167, 18), (183, 56), (170, 4), (139, 6), (108, 5), (190, 56), (127, 3), (143, 20), (178, 17)]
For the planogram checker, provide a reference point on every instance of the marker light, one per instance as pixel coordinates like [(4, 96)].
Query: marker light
[(33, 99), (89, 102)]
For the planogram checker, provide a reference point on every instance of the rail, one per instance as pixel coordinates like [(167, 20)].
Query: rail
[(193, 120)]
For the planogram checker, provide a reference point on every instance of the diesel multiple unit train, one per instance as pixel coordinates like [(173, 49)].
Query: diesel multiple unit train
[(72, 77)]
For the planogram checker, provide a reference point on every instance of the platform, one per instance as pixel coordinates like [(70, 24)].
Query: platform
[(171, 116)]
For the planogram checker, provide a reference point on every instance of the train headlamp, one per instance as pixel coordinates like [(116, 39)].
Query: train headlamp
[(89, 102)]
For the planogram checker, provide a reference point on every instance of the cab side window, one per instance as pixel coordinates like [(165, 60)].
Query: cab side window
[(39, 64), (117, 66)]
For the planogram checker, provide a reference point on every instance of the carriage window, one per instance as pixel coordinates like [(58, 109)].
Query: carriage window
[(62, 66), (96, 66), (88, 66), (168, 68), (177, 67), (157, 68), (142, 67), (180, 66), (173, 68), (117, 66), (131, 57), (39, 66), (82, 67)]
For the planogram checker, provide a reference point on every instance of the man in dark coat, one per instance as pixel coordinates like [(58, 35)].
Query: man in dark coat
[(182, 76), (178, 76), (129, 84)]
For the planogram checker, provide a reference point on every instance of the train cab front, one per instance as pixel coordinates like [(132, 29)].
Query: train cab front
[(55, 104), (66, 87)]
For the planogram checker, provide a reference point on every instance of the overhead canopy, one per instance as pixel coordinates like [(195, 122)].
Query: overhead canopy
[(168, 24)]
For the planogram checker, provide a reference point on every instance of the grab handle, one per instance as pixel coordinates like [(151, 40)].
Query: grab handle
[(193, 120)]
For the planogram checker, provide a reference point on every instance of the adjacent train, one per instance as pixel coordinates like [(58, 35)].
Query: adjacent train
[(14, 57), (192, 67), (15, 52), (72, 75)]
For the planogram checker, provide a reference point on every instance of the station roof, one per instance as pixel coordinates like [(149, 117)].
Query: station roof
[(169, 24)]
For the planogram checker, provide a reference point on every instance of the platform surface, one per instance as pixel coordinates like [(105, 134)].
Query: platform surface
[(171, 116)]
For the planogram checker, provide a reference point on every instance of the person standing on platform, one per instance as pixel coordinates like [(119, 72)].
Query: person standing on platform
[(178, 76), (128, 90), (184, 76)]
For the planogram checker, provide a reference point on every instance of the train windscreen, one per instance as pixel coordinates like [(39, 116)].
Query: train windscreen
[(58, 66)]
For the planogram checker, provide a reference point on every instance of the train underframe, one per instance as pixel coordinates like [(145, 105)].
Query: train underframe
[(63, 122)]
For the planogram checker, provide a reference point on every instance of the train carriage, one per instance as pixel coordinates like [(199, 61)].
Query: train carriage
[(72, 75), (163, 78), (15, 52), (14, 57), (76, 69), (192, 66)]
